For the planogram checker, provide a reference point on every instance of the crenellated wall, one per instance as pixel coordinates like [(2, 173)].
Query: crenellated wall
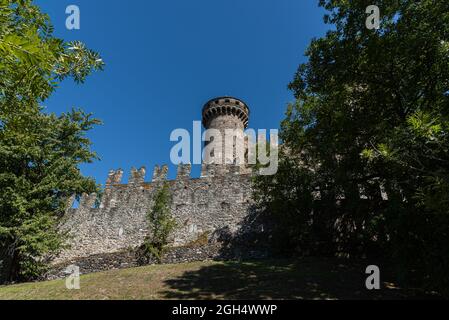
[(220, 199)]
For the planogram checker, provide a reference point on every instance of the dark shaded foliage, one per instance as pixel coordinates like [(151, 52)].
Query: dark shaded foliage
[(371, 112)]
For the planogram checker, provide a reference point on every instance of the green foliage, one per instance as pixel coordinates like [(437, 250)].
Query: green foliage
[(371, 109), (160, 224), (32, 60), (39, 152)]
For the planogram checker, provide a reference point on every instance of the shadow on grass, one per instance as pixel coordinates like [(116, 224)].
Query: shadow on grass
[(310, 278)]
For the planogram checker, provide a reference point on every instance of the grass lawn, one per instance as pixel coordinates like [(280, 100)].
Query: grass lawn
[(310, 278)]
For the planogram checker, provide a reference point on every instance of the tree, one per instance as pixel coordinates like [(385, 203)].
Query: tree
[(372, 110), (160, 224), (39, 152)]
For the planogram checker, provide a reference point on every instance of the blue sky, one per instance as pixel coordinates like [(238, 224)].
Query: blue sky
[(165, 59)]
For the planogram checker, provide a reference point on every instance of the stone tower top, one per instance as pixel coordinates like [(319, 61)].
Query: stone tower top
[(222, 114), (225, 113)]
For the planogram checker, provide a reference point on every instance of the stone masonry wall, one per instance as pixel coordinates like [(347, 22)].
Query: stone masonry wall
[(220, 199)]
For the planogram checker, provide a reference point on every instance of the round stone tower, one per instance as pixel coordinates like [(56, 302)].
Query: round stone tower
[(222, 114)]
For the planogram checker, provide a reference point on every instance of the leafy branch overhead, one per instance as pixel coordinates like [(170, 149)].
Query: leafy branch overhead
[(32, 61)]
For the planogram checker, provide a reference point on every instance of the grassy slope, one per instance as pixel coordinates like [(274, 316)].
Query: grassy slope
[(310, 278)]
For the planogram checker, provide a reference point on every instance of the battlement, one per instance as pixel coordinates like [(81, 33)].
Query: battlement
[(160, 173), (209, 172)]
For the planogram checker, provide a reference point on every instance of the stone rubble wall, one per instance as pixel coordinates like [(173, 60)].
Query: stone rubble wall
[(131, 258), (220, 199)]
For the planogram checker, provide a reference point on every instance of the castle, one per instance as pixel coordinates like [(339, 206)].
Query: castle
[(219, 199)]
